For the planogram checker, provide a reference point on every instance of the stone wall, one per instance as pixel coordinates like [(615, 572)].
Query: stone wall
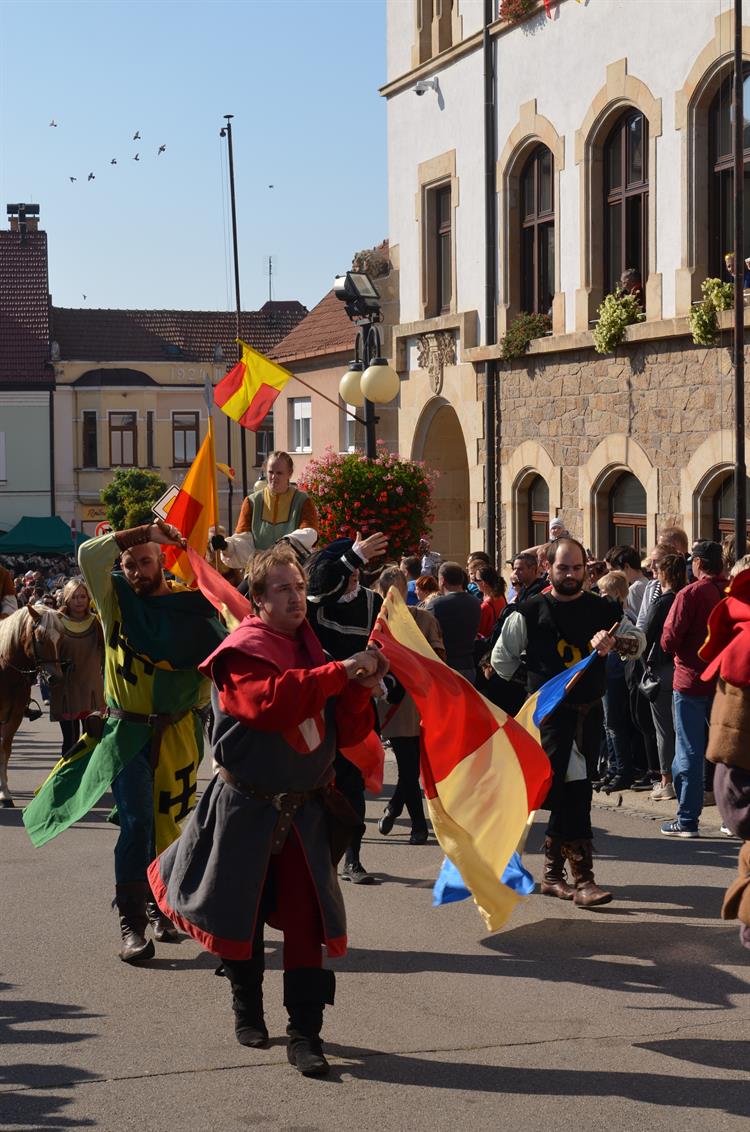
[(652, 407)]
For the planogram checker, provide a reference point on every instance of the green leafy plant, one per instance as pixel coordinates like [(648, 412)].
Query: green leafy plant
[(388, 494), (704, 318), (619, 310), (521, 331), (129, 497), (515, 10)]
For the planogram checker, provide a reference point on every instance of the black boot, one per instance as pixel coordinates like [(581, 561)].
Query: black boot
[(246, 978), (306, 992), (163, 928), (131, 899)]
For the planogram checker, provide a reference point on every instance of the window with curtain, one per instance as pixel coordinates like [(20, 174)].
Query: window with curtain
[(301, 424), (626, 200), (627, 513), (123, 440), (721, 176), (538, 233), (184, 438)]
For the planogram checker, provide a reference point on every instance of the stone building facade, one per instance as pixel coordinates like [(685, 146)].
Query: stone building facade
[(609, 151)]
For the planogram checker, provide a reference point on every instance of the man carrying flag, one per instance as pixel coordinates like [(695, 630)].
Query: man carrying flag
[(156, 634), (552, 632)]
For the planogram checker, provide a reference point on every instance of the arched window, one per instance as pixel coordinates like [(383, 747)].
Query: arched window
[(626, 199), (723, 524), (627, 513), (538, 232), (721, 176), (538, 512)]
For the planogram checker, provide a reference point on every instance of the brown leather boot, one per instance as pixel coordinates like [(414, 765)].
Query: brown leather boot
[(587, 892), (555, 882), (131, 901), (163, 929)]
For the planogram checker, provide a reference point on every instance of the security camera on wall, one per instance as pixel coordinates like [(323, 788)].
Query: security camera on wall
[(423, 85)]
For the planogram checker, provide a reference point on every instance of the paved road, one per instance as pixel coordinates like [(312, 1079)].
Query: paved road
[(634, 1017)]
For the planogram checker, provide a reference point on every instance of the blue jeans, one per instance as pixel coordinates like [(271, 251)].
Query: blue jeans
[(617, 725), (690, 719), (133, 791)]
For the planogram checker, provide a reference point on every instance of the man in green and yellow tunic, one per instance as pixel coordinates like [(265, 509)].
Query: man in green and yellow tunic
[(156, 633)]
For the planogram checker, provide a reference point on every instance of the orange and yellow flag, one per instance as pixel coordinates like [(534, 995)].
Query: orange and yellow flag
[(249, 390), (194, 509)]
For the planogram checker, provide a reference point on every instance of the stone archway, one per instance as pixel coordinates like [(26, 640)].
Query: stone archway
[(439, 441)]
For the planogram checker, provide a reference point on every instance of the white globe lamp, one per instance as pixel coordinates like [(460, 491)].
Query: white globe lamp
[(350, 386), (380, 383)]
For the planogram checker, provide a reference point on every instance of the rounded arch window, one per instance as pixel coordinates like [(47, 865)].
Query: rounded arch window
[(721, 175), (538, 232), (626, 200), (627, 513), (723, 508), (538, 511)]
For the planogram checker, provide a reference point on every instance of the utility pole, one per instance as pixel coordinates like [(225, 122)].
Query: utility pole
[(226, 131)]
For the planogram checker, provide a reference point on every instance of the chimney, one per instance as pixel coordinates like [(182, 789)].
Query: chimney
[(23, 218)]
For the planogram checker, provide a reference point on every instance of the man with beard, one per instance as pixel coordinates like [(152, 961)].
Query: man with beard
[(156, 633), (551, 632)]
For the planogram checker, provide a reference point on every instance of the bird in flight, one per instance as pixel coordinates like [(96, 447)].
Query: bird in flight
[(137, 157), (137, 135), (84, 298), (270, 186), (73, 179), (113, 161), (161, 149), (91, 177), (53, 123)]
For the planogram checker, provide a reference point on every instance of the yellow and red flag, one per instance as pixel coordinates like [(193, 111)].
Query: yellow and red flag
[(249, 390), (194, 509), (483, 774)]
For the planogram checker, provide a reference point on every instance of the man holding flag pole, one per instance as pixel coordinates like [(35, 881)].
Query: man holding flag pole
[(564, 634)]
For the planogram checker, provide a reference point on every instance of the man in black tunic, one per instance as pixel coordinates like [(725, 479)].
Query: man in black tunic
[(551, 632)]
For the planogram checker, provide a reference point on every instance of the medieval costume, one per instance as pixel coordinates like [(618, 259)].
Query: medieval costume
[(553, 635), (81, 690), (260, 846), (150, 739), (266, 517)]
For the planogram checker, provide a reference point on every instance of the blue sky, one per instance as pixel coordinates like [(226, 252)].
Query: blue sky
[(301, 78)]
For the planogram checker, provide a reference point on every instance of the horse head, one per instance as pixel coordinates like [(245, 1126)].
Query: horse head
[(43, 643)]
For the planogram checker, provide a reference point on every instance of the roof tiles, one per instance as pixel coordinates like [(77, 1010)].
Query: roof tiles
[(24, 310), (326, 330)]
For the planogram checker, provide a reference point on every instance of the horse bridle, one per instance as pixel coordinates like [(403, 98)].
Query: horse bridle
[(41, 664)]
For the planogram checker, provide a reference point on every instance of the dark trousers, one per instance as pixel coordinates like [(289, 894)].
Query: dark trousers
[(645, 750), (408, 792), (350, 782), (133, 792), (569, 803), (71, 733), (571, 819)]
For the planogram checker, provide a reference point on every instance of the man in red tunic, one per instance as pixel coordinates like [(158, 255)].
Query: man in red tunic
[(263, 843)]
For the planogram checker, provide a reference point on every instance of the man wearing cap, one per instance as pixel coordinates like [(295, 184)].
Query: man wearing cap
[(683, 634), (276, 510)]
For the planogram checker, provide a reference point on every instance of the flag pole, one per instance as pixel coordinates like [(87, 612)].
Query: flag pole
[(227, 132)]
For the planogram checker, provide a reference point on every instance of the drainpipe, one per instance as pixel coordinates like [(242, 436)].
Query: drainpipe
[(490, 281), (52, 501)]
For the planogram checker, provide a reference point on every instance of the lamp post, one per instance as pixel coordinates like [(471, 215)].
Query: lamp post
[(369, 381)]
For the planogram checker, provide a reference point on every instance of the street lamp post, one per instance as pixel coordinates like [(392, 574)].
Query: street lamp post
[(369, 381)]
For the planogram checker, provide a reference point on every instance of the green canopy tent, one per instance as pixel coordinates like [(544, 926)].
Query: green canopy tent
[(32, 535)]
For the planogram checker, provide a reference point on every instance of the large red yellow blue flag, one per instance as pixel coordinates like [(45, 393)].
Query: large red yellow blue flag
[(249, 390), (483, 774), (194, 509)]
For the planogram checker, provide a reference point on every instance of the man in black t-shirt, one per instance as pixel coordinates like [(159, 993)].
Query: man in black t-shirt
[(552, 632)]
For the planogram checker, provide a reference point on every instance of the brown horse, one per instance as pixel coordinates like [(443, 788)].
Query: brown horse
[(29, 644)]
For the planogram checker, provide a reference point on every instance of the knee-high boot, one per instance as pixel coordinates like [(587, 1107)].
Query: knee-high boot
[(130, 899), (246, 979), (307, 990), (587, 892), (555, 881)]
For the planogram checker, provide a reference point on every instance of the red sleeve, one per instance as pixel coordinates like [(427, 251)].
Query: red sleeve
[(486, 620), (673, 631), (355, 715), (260, 697)]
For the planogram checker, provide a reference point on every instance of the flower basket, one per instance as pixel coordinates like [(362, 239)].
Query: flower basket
[(388, 494)]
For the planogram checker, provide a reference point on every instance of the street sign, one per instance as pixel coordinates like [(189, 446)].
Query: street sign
[(162, 505), (103, 528)]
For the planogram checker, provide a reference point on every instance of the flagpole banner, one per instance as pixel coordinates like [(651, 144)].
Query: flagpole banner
[(249, 390), (483, 773), (194, 510)]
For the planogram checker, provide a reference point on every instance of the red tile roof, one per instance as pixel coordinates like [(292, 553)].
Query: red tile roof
[(148, 336), (326, 330), (24, 310)]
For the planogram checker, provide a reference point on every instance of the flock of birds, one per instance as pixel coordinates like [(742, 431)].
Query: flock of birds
[(136, 156)]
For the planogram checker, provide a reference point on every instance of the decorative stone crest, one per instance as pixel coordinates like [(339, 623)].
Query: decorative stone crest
[(435, 351)]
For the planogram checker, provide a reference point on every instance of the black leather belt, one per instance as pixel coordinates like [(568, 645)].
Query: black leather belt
[(287, 802)]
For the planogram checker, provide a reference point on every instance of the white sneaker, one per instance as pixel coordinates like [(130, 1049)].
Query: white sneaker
[(726, 831), (662, 793)]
